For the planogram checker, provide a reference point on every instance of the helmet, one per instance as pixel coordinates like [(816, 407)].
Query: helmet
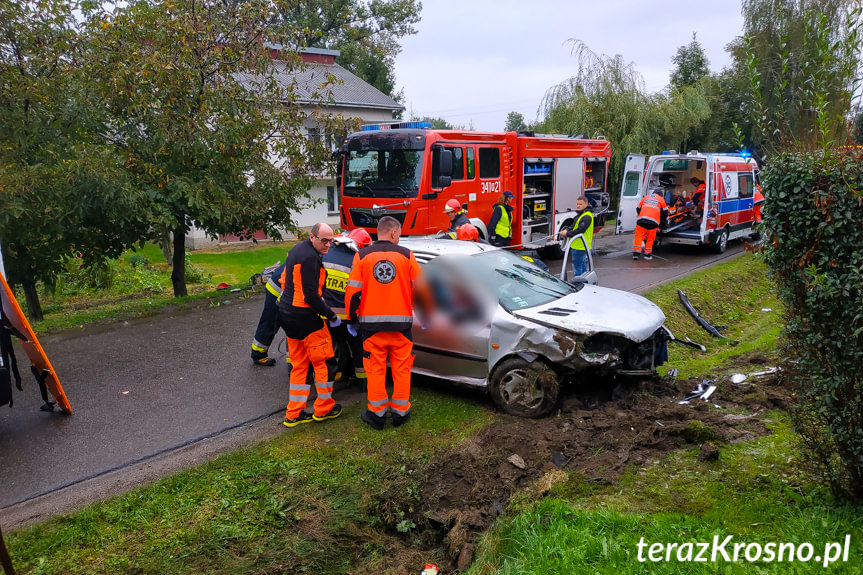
[(666, 180), (467, 232), (452, 205), (361, 237)]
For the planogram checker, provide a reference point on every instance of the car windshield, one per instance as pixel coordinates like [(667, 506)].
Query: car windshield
[(514, 282), (384, 173)]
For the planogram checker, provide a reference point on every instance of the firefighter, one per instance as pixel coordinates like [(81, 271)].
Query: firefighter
[(583, 225), (301, 308), (456, 214), (337, 264), (268, 324), (757, 204), (500, 225), (379, 296), (651, 211)]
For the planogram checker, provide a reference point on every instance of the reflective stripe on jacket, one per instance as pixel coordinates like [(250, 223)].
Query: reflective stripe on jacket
[(337, 265), (379, 291), (650, 211)]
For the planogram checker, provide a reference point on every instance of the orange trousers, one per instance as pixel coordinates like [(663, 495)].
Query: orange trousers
[(316, 349), (646, 236), (399, 350)]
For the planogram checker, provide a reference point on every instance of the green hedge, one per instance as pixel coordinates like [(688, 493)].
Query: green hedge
[(814, 247)]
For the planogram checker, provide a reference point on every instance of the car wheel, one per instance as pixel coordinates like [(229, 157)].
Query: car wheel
[(524, 389), (721, 242)]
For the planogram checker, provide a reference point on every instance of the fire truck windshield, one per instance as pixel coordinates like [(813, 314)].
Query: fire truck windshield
[(383, 173)]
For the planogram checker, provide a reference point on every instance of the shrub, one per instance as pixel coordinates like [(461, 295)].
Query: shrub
[(138, 260), (194, 274), (814, 222)]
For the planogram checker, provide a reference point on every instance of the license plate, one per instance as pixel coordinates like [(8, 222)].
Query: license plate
[(539, 206)]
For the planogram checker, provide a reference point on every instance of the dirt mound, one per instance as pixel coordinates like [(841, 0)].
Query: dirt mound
[(596, 434)]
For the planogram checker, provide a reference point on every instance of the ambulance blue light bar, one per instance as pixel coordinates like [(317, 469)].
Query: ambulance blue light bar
[(395, 126)]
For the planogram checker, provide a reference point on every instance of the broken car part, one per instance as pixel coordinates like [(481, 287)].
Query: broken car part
[(711, 329)]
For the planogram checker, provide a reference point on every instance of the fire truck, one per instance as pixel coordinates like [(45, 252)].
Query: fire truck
[(408, 170), (709, 196)]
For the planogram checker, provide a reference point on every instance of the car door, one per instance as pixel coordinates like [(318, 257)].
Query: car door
[(451, 334), (566, 271), (630, 193)]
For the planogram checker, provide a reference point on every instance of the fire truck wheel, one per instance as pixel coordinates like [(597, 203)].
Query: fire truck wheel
[(524, 389), (721, 242)]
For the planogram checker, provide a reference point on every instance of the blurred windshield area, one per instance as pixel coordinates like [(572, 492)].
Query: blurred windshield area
[(467, 288), (384, 173)]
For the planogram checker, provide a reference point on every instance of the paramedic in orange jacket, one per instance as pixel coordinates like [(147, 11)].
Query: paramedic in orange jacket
[(651, 212), (301, 308), (757, 204), (379, 295)]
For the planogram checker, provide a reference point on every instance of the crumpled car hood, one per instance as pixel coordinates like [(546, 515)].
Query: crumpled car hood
[(595, 309)]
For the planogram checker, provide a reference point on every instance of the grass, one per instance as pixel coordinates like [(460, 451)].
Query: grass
[(733, 293), (137, 291), (319, 499), (756, 493)]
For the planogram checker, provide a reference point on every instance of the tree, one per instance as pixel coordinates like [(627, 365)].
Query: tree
[(514, 122), (365, 33), (802, 62), (58, 187), (691, 65), (203, 128), (436, 123)]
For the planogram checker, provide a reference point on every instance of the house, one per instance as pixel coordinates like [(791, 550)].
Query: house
[(351, 97)]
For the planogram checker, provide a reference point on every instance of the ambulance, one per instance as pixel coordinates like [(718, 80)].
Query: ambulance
[(410, 171), (709, 196)]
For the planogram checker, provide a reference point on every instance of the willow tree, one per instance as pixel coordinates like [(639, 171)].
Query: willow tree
[(607, 97), (209, 128)]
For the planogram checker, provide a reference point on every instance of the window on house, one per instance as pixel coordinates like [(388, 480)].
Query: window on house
[(489, 163), (331, 199), (315, 135)]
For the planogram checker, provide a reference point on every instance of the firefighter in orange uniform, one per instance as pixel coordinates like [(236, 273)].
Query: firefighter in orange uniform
[(651, 211), (301, 308), (379, 295)]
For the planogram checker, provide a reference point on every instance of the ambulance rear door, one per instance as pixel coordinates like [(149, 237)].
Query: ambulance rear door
[(631, 190)]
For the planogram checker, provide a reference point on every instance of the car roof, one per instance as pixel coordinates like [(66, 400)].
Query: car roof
[(426, 249)]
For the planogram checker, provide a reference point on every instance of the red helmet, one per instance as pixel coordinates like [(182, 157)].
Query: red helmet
[(452, 205), (467, 232), (361, 237)]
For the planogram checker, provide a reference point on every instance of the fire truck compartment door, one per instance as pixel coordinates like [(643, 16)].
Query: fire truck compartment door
[(568, 183), (630, 193)]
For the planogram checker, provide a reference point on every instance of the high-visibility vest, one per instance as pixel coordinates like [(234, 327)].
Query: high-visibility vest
[(504, 224), (337, 264), (379, 291), (588, 233)]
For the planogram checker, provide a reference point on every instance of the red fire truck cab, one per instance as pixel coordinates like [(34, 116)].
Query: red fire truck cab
[(408, 170)]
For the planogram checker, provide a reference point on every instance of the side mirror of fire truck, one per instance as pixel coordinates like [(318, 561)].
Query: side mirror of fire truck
[(445, 162)]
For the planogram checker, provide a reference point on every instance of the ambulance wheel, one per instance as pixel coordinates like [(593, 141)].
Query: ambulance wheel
[(524, 389), (721, 242)]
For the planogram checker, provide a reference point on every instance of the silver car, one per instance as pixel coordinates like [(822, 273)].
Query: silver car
[(485, 317)]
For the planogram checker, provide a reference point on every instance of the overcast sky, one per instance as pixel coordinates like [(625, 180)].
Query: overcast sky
[(474, 61)]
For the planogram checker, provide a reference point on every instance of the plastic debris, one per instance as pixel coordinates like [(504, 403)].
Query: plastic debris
[(430, 569), (702, 391)]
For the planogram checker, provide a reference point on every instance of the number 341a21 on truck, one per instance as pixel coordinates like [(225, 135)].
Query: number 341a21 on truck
[(408, 170)]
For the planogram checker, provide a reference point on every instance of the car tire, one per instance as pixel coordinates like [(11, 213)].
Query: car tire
[(524, 389), (721, 242)]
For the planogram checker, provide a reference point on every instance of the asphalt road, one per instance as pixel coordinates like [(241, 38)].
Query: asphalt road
[(160, 394)]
